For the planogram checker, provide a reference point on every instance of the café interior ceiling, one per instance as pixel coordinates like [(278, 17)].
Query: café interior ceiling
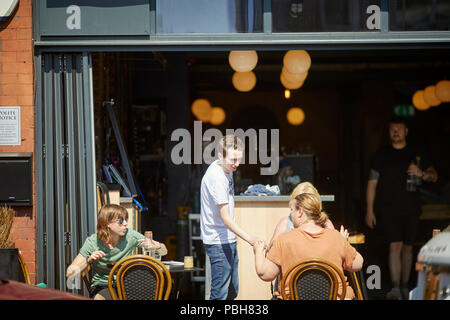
[(209, 70)]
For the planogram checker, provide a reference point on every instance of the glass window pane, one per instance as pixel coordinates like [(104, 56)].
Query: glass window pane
[(209, 16), (325, 15), (419, 15)]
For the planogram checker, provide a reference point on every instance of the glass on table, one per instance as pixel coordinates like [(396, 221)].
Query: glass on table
[(147, 242), (188, 262)]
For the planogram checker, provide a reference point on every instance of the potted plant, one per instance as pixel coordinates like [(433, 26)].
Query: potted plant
[(8, 254)]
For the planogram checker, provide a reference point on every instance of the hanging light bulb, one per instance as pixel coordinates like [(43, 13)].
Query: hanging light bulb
[(244, 81), (243, 61), (295, 116), (217, 116), (429, 95), (297, 61), (443, 90), (419, 101), (293, 77), (287, 93), (288, 84), (201, 108)]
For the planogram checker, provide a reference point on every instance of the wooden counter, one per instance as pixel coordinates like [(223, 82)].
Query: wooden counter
[(258, 216)]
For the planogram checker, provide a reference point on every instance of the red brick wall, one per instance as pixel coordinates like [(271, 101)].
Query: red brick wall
[(16, 89)]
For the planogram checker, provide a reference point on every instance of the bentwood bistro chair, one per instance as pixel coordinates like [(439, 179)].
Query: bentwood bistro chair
[(24, 275), (313, 279), (354, 282), (139, 277), (86, 275)]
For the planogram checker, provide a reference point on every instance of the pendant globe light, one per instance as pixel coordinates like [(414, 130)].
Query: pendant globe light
[(201, 108), (295, 116), (297, 61), (429, 95), (243, 61), (244, 81), (290, 85), (217, 116), (443, 90), (293, 77), (419, 101)]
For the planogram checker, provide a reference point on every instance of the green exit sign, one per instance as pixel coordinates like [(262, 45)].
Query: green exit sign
[(404, 110)]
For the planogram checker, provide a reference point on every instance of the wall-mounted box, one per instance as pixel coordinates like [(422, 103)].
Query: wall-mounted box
[(16, 178)]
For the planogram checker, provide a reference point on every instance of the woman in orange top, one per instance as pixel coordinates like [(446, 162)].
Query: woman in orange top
[(309, 239)]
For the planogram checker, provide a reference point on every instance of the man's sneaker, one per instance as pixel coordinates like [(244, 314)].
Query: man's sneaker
[(394, 294), (405, 293)]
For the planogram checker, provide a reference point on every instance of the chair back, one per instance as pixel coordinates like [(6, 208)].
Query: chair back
[(354, 283), (86, 275), (25, 275), (313, 279), (139, 277)]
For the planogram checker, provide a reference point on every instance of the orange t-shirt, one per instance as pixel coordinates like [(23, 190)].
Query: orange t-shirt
[(297, 245)]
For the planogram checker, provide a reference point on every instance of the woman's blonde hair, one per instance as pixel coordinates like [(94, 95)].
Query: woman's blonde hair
[(312, 207), (109, 213), (304, 187)]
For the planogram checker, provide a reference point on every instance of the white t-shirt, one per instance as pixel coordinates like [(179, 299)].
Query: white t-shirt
[(216, 189)]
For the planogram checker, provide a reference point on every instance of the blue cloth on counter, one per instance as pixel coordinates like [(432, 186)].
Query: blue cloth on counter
[(261, 190)]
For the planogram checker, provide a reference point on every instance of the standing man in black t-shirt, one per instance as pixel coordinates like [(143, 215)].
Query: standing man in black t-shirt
[(397, 208)]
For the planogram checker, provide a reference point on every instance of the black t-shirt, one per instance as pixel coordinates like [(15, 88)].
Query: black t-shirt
[(392, 164)]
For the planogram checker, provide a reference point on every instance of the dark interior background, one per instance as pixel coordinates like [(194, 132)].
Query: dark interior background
[(348, 98)]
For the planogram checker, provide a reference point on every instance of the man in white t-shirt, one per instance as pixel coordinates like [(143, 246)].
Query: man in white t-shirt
[(218, 229)]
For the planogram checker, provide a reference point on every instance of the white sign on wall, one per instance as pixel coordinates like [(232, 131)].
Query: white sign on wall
[(9, 126)]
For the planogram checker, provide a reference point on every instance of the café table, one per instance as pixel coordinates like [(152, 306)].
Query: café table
[(177, 270)]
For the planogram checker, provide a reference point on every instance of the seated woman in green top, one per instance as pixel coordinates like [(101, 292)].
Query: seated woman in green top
[(112, 242)]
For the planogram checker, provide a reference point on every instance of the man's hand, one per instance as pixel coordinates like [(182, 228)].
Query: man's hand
[(259, 246), (370, 198), (254, 240), (430, 175), (371, 221), (414, 170), (233, 226)]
